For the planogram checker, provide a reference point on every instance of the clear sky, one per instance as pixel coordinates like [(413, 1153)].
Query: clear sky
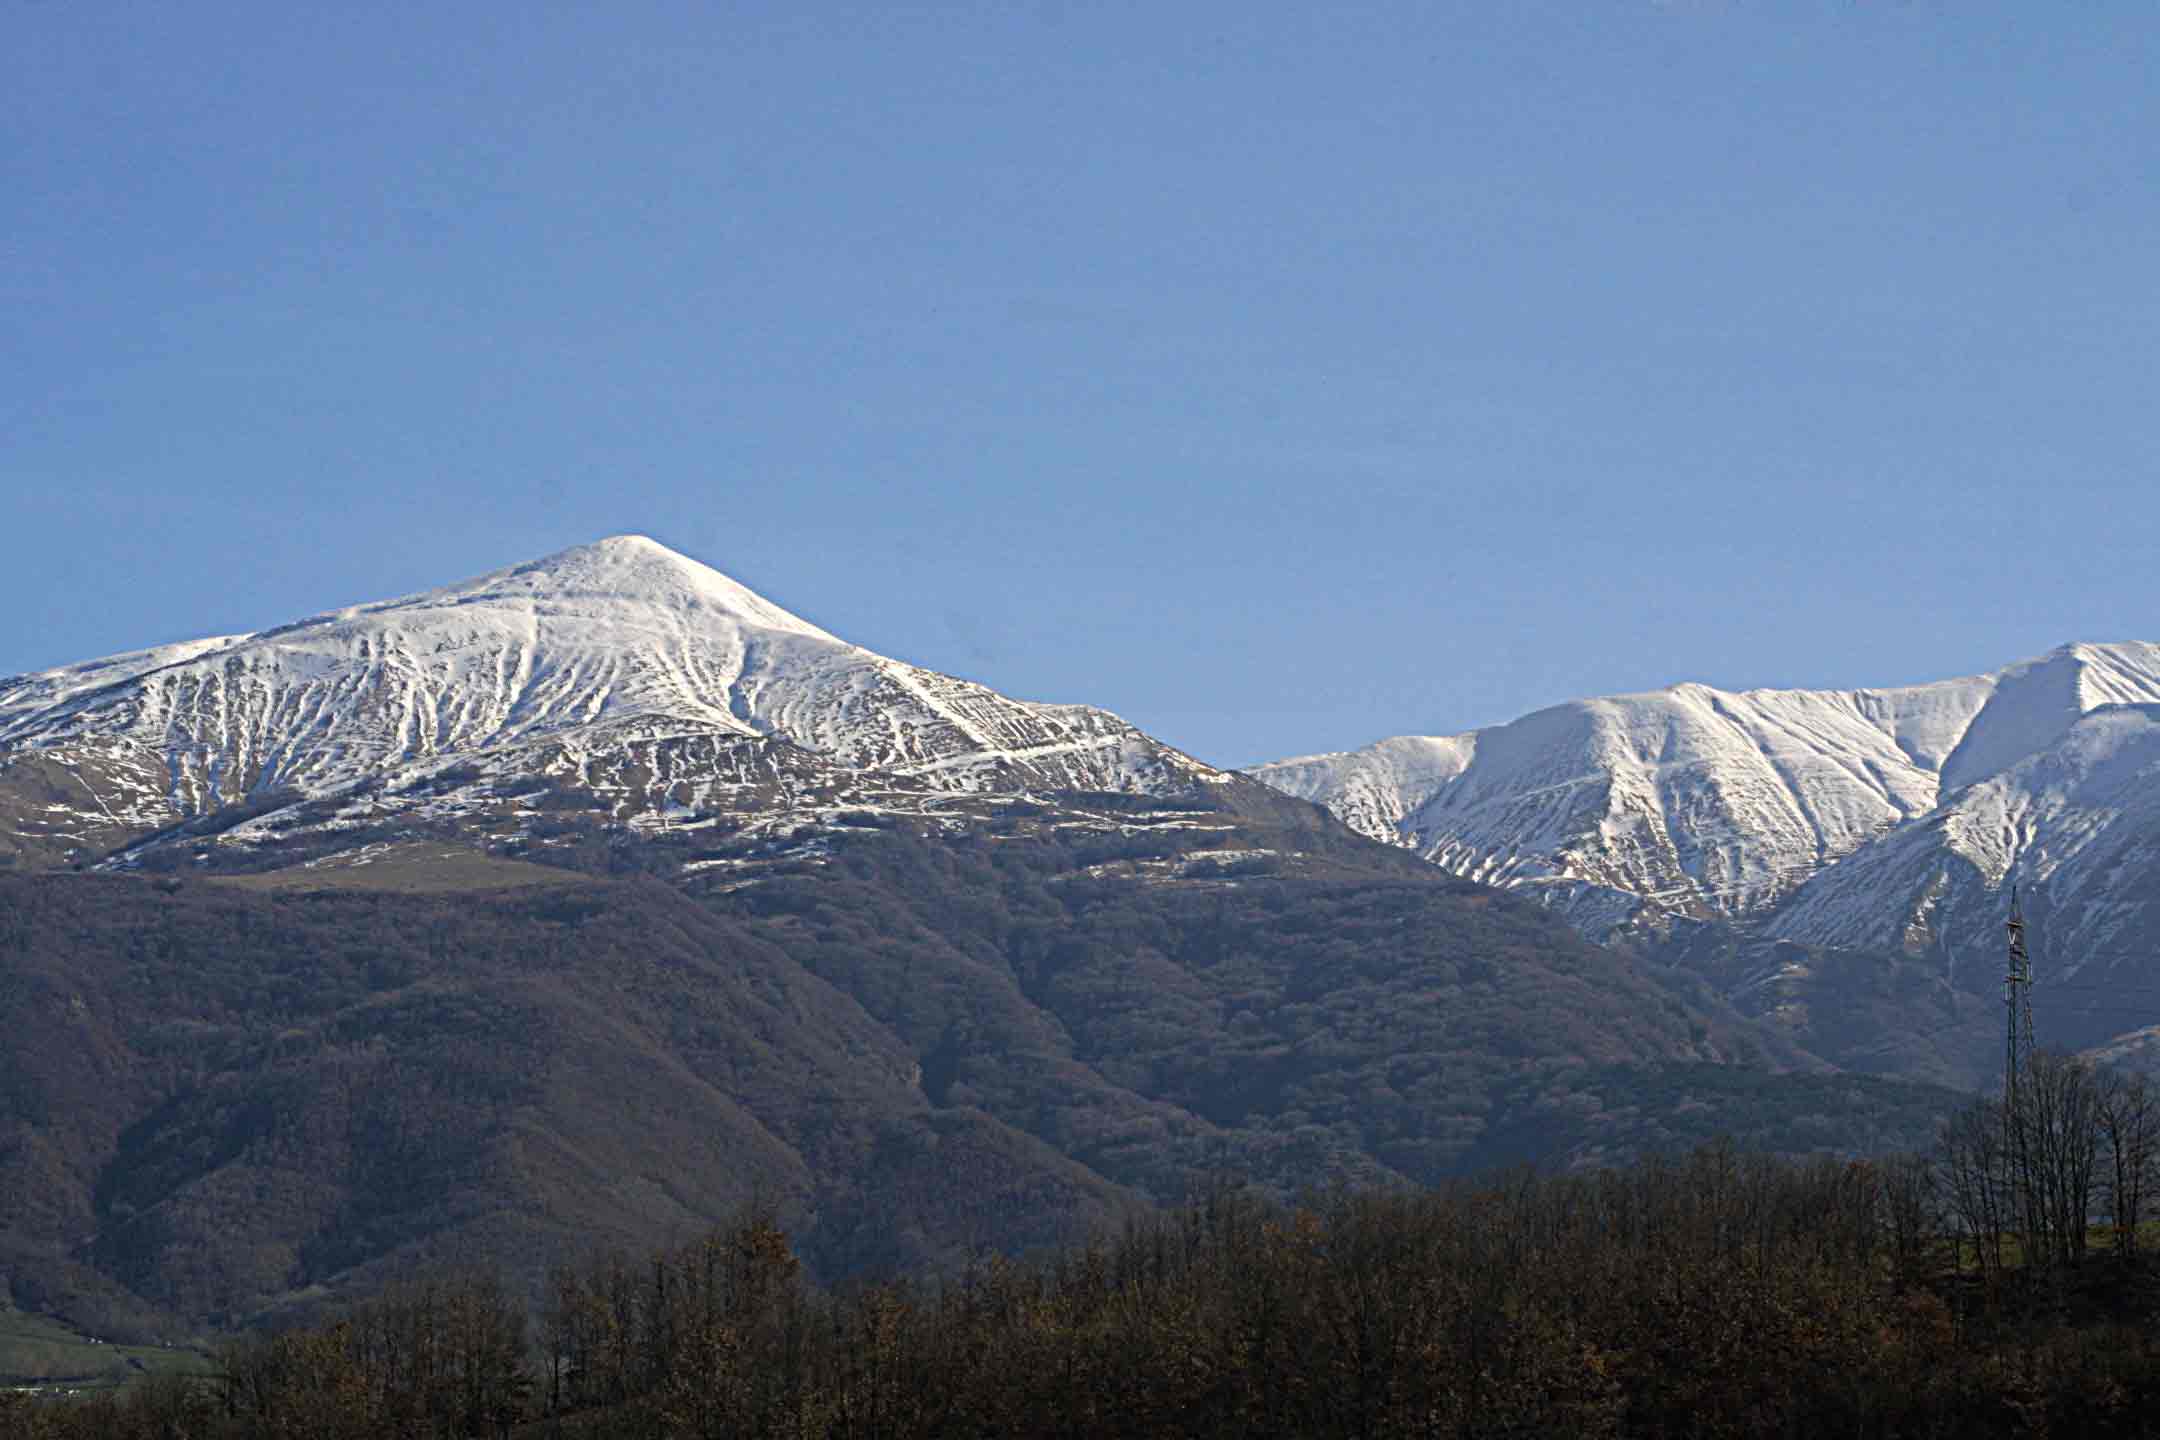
[(1280, 376)]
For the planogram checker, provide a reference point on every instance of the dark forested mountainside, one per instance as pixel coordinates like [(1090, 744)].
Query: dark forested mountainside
[(1872, 1012), (1885, 1011), (228, 1098), (1394, 1025), (218, 1102)]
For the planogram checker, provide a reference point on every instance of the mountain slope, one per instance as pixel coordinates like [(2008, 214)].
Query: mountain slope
[(2074, 828), (228, 1103)]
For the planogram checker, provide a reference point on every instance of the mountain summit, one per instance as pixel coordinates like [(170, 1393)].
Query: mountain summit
[(621, 572), (619, 650)]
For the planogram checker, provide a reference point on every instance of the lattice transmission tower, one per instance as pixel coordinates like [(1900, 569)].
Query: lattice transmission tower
[(2017, 1002), (2017, 1041)]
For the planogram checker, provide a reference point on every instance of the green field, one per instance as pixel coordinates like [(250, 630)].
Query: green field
[(413, 868), (41, 1354)]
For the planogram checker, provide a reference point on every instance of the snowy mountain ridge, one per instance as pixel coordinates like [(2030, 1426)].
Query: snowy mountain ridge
[(1692, 801)]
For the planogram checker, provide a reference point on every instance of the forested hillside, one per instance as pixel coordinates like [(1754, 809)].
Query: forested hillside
[(234, 1098)]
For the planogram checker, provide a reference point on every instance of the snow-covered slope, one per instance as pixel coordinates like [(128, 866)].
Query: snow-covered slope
[(2074, 828), (1704, 802), (579, 654)]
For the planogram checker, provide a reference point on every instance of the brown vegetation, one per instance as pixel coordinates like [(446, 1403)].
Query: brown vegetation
[(1720, 1296)]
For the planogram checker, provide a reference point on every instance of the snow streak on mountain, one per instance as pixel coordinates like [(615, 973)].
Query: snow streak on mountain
[(1848, 815)]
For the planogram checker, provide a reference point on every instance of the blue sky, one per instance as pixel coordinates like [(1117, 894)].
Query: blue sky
[(1282, 377)]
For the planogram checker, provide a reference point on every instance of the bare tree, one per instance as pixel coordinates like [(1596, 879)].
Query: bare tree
[(2130, 1126), (2059, 1124), (1976, 1173), (1911, 1209)]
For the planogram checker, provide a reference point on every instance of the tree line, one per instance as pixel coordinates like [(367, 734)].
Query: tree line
[(1720, 1294)]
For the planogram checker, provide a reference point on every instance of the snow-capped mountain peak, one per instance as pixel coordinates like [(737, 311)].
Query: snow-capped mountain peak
[(581, 649), (625, 573)]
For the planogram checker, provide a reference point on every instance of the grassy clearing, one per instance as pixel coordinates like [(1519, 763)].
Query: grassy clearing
[(418, 868), (42, 1354), (1958, 1256)]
